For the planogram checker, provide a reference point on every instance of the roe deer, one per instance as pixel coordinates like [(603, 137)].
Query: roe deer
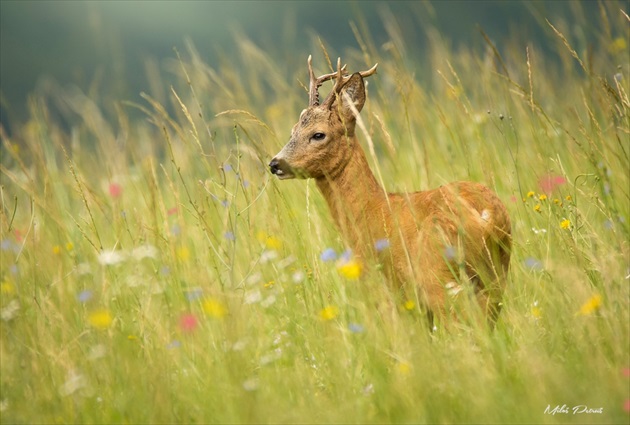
[(456, 238)]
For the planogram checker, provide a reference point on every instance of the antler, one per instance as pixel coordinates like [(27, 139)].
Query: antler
[(315, 84), (342, 78)]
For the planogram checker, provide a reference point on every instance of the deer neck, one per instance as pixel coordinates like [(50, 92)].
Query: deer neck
[(355, 199)]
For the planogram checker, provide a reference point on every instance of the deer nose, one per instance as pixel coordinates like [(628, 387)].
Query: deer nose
[(274, 166)]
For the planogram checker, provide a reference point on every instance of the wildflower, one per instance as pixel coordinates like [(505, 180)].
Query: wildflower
[(176, 230), (403, 367), (115, 190), (409, 305), (539, 231), (74, 382), (536, 311), (6, 244), (6, 288), (381, 244), (268, 302), (550, 182), (225, 203), (618, 45), (10, 311), (252, 297), (530, 194), (328, 313), (450, 252), (565, 224), (144, 251), (193, 294), (533, 264), (165, 270), (542, 197), (229, 236), (329, 254), (350, 270), (56, 249), (557, 201), (568, 198), (250, 384), (268, 255), (273, 243), (591, 305), (537, 207), (626, 406), (173, 344), (69, 246), (132, 337), (84, 296), (171, 211), (626, 372), (188, 322), (214, 308), (297, 276), (100, 319), (227, 167), (182, 253), (355, 328), (111, 258)]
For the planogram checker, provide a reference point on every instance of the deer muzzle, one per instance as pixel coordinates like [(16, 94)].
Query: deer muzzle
[(281, 169)]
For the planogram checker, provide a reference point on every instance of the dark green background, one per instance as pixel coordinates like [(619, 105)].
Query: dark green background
[(80, 42)]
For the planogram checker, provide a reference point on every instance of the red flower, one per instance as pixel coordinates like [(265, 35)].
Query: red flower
[(115, 190), (188, 322), (550, 182)]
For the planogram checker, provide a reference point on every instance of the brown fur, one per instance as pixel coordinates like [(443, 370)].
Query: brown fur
[(456, 238)]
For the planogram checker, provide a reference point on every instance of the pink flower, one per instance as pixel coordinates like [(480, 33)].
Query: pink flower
[(626, 406), (550, 182), (188, 322), (172, 211), (626, 372), (115, 190)]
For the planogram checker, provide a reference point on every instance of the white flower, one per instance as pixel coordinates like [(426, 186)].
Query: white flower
[(110, 258), (144, 251)]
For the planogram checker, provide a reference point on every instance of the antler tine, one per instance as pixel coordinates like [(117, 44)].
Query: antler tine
[(315, 83), (369, 72)]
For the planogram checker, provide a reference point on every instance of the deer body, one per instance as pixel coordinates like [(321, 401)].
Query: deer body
[(440, 241)]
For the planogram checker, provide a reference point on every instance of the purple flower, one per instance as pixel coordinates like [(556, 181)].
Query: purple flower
[(381, 244), (229, 236), (533, 264), (85, 296), (329, 254), (356, 328)]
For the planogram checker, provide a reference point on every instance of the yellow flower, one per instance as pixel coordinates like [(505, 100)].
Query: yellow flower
[(409, 305), (182, 253), (536, 312), (69, 246), (132, 337), (7, 288), (568, 197), (542, 197), (537, 207), (56, 250), (100, 319), (329, 312), (618, 45), (404, 368), (270, 242), (591, 305), (350, 269), (557, 202), (565, 224), (269, 284), (530, 194), (214, 308)]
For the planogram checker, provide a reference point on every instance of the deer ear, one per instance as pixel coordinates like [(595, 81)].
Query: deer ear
[(352, 92)]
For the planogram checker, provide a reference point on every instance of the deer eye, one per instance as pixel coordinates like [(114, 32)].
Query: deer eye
[(318, 137)]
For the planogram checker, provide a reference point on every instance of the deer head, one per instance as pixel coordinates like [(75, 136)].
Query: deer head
[(323, 139)]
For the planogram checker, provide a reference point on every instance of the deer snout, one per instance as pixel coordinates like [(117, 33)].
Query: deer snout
[(281, 168)]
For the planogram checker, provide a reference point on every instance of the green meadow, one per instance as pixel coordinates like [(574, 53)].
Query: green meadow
[(154, 271)]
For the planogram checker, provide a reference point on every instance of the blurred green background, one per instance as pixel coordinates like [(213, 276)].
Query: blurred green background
[(107, 44)]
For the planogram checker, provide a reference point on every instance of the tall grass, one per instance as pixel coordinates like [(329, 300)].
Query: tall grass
[(154, 272)]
